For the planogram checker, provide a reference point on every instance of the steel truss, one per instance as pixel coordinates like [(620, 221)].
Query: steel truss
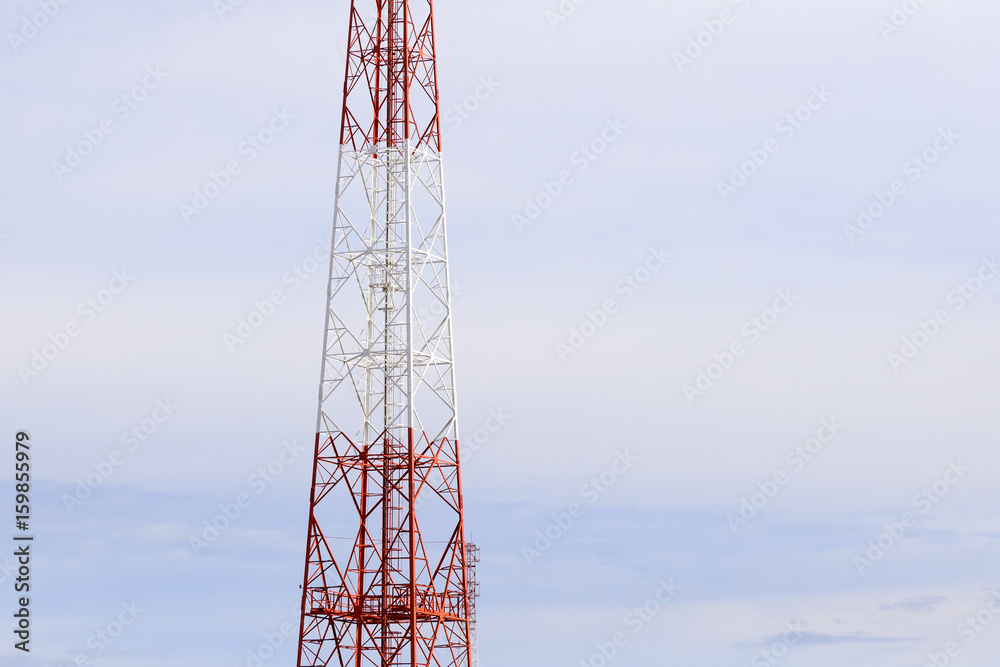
[(386, 579)]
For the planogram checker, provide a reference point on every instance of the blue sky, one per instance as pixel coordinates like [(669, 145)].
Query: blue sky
[(820, 110)]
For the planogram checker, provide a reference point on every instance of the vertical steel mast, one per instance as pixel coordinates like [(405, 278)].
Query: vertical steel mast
[(386, 579)]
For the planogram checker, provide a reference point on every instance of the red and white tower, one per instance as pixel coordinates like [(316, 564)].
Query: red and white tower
[(386, 578)]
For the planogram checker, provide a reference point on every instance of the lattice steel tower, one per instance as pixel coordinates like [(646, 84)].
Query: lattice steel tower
[(386, 578)]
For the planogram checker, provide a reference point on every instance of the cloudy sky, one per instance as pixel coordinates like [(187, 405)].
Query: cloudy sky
[(751, 337)]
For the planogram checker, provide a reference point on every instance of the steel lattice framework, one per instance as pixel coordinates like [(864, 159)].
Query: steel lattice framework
[(386, 579)]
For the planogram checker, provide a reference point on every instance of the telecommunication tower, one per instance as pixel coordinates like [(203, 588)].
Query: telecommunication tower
[(388, 578)]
